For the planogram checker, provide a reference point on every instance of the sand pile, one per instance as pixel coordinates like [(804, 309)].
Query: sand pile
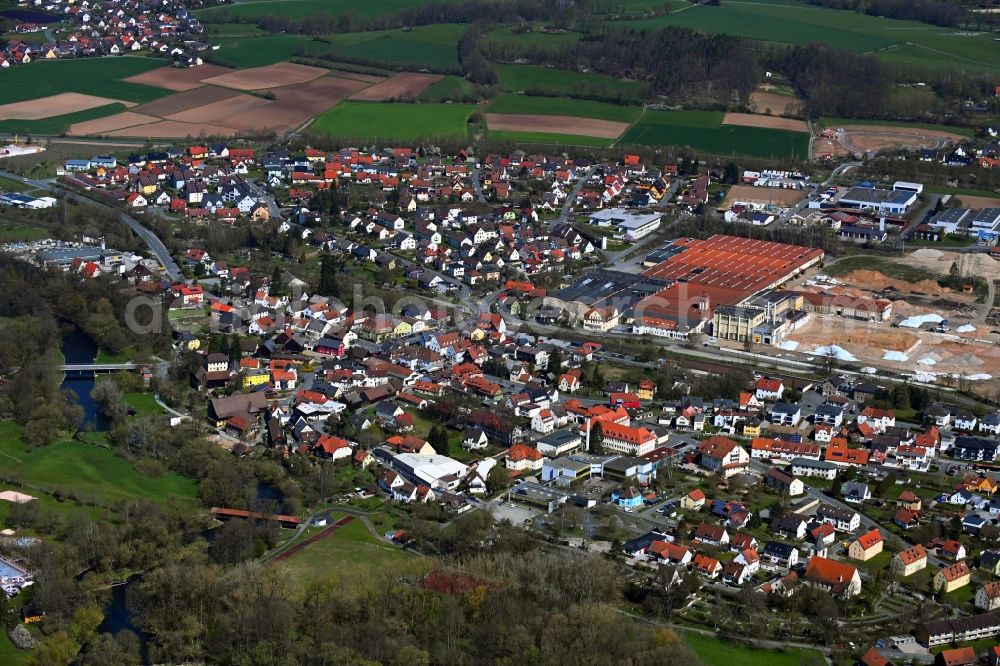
[(876, 281)]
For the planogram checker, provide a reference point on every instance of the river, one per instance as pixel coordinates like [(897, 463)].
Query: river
[(118, 618), (78, 347)]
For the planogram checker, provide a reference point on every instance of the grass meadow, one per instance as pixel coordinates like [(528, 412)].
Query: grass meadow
[(376, 121)]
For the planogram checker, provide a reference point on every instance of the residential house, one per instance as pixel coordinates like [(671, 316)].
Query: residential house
[(952, 577), (838, 578), (910, 561), (866, 546)]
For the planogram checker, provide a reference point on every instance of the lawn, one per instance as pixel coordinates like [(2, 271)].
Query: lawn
[(58, 124), (560, 106), (715, 652), (913, 43), (551, 139), (704, 131), (104, 356), (880, 561), (13, 232), (373, 121), (8, 185), (10, 655), (448, 88), (92, 76), (549, 81), (143, 403), (89, 472), (353, 554)]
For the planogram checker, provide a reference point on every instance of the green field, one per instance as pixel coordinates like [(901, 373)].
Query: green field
[(704, 131), (351, 553), (431, 46), (448, 88), (407, 122), (14, 232), (715, 652), (92, 76), (89, 472), (798, 23), (58, 124), (560, 106), (300, 9), (563, 82), (536, 38), (554, 139), (260, 51)]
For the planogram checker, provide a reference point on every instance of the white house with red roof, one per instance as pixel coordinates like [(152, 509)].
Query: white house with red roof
[(768, 388), (723, 455), (879, 420), (520, 458)]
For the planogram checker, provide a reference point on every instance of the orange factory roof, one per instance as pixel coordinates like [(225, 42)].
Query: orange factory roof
[(730, 266)]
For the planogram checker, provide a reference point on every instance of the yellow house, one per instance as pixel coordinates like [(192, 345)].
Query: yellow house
[(952, 577), (401, 329), (647, 389), (910, 561), (252, 379), (751, 428), (866, 546), (694, 500)]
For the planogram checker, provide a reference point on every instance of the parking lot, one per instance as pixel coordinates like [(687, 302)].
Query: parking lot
[(516, 514)]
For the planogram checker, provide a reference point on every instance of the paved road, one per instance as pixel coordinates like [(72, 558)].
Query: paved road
[(154, 244), (571, 197), (866, 522), (272, 206), (477, 185)]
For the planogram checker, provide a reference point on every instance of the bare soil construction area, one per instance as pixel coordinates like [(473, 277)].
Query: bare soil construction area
[(875, 281), (55, 105), (178, 78), (401, 86), (978, 202), (767, 122), (775, 104), (939, 262), (762, 196), (517, 122), (271, 76), (875, 138)]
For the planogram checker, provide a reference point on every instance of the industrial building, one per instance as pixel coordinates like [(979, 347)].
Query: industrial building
[(628, 226), (892, 202)]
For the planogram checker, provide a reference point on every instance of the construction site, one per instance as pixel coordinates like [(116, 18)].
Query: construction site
[(936, 332)]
